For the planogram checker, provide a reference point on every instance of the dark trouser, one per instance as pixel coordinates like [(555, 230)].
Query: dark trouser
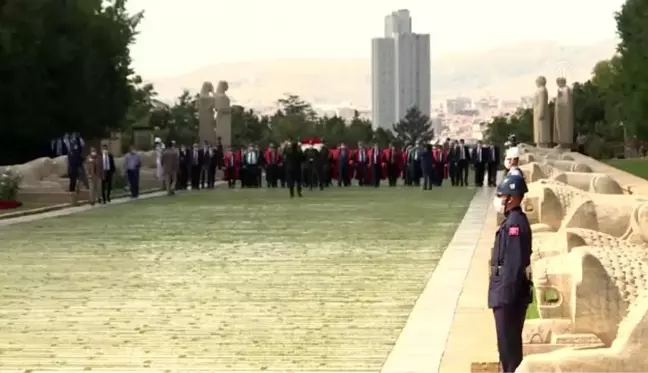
[(438, 174), (183, 177), (252, 176), (230, 174), (509, 322), (479, 174), (281, 175), (427, 180), (312, 176), (195, 177), (271, 175), (293, 180), (492, 174), (415, 174), (463, 173), (343, 176), (133, 182), (74, 177), (204, 177), (392, 174), (211, 176), (324, 176), (375, 173), (361, 174), (106, 186), (454, 174)]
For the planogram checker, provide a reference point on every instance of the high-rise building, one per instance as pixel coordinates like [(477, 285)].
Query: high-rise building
[(400, 71)]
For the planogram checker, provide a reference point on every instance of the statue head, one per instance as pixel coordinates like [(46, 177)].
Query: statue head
[(541, 81), (222, 87), (206, 89), (562, 82)]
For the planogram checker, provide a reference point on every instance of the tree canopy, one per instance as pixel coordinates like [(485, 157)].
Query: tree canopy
[(64, 67)]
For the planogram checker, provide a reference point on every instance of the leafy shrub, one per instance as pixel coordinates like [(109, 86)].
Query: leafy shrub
[(9, 185)]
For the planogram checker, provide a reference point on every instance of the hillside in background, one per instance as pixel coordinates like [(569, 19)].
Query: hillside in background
[(507, 72)]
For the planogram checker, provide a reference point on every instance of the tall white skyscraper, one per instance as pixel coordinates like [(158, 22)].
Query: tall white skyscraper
[(400, 71)]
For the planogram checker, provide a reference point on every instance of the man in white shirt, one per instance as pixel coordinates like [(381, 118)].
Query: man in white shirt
[(108, 163)]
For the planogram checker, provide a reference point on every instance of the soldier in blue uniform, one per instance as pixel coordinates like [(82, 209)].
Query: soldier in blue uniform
[(511, 161), (510, 286)]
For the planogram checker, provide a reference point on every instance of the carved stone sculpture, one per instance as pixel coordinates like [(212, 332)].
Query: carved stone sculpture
[(551, 205), (206, 114), (587, 181), (541, 117), (601, 290), (223, 114), (563, 128)]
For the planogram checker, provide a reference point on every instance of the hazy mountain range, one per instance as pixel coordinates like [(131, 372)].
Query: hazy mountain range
[(507, 72)]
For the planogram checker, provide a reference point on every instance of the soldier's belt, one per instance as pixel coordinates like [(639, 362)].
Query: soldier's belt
[(495, 270)]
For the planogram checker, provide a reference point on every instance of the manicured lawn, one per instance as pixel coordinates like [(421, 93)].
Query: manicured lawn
[(637, 167), (222, 280)]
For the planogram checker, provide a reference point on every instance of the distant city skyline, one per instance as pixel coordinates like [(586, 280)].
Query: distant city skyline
[(179, 37)]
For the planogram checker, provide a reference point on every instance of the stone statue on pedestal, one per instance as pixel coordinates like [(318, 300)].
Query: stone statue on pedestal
[(563, 128), (206, 111), (223, 109), (541, 117)]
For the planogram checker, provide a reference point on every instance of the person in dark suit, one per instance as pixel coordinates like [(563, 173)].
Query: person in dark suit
[(212, 161), (108, 166), (427, 166), (479, 159), (293, 161), (251, 167), (324, 166), (462, 154), (510, 284), (197, 161), (493, 164), (75, 163), (185, 167)]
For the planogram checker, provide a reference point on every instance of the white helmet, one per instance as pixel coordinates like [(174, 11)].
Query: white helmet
[(513, 152), (157, 140)]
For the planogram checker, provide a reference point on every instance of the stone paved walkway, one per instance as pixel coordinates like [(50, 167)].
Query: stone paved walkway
[(472, 335), (422, 344)]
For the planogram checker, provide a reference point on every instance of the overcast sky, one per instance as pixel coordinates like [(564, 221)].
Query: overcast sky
[(183, 35)]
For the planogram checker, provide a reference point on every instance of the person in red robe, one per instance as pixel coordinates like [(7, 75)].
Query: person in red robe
[(446, 162), (342, 165), (360, 159), (271, 159), (376, 164), (394, 160), (232, 166), (438, 161)]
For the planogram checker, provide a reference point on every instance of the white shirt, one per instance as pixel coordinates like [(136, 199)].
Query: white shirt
[(106, 161), (251, 158)]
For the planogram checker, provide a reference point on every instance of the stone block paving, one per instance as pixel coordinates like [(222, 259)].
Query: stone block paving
[(448, 327)]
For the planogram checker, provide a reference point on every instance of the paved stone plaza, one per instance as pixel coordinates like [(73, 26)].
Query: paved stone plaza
[(237, 280)]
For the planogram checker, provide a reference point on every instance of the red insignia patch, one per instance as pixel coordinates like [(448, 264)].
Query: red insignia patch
[(514, 231)]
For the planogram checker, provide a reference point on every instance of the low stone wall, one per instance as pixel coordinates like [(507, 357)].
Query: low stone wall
[(52, 197)]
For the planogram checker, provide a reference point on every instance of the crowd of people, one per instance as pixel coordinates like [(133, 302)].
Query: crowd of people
[(316, 165)]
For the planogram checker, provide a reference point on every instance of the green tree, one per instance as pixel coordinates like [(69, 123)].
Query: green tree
[(632, 74), (64, 67), (414, 127), (249, 127), (383, 137), (498, 129)]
